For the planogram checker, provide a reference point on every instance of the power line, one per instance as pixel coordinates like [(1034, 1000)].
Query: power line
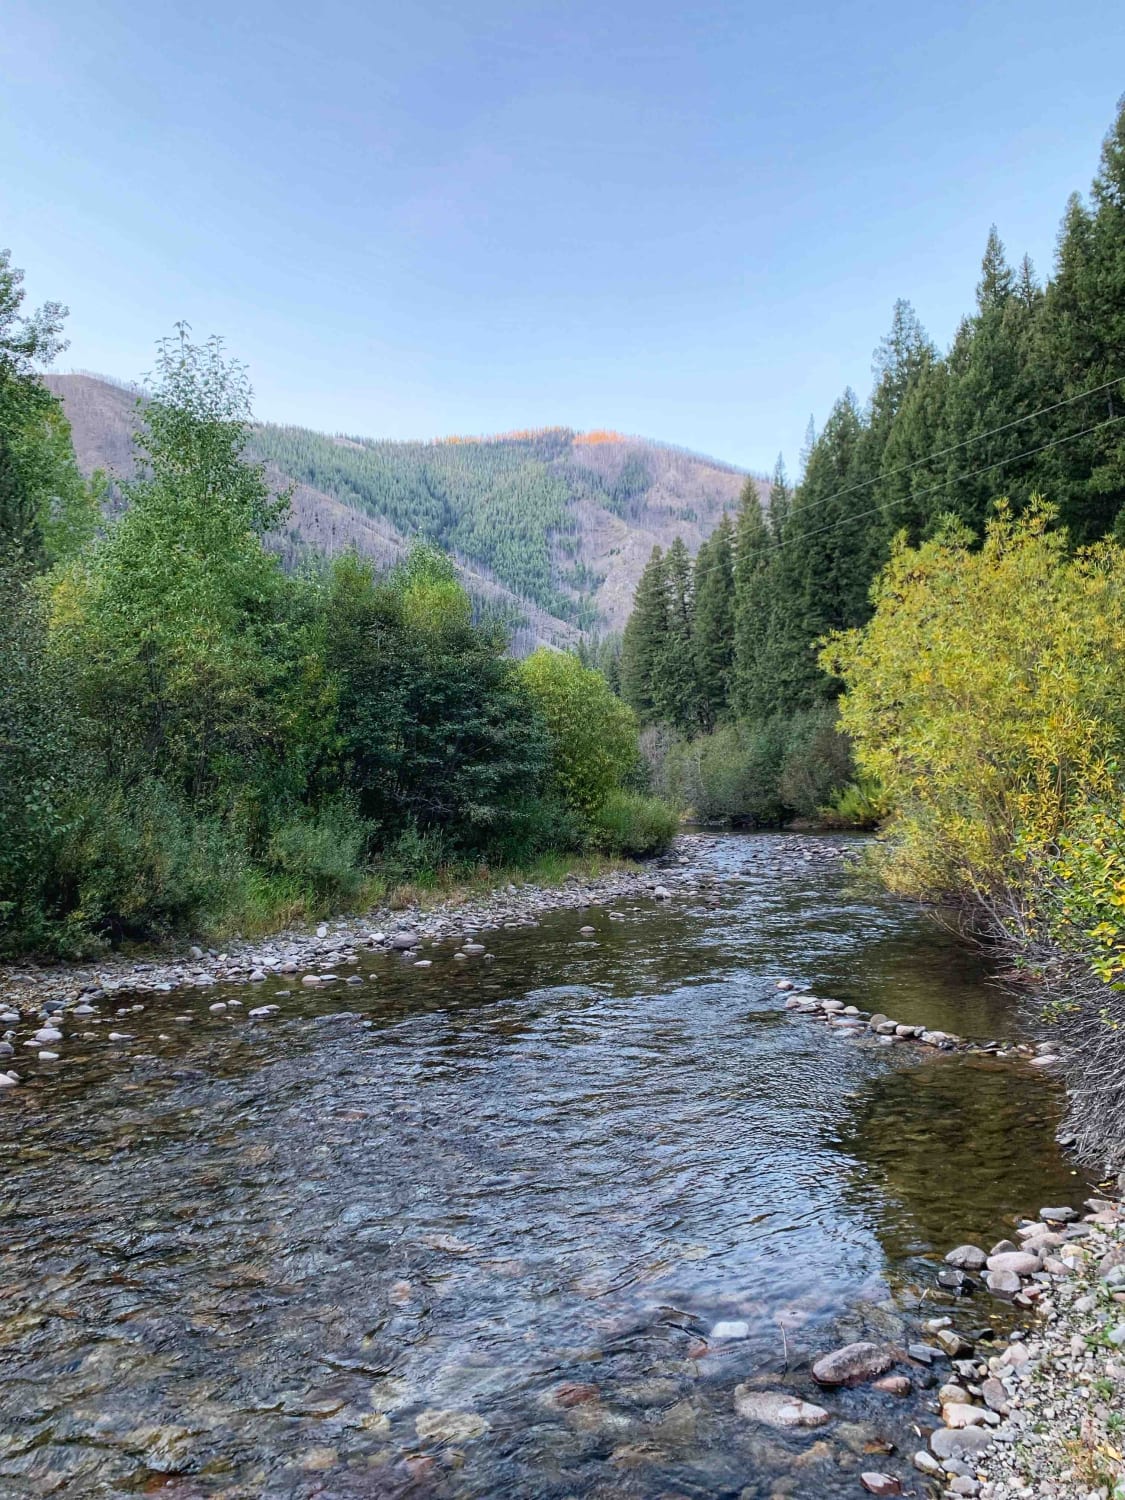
[(957, 479), (979, 437)]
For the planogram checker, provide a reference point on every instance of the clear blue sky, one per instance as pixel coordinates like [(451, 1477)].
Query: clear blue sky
[(683, 220)]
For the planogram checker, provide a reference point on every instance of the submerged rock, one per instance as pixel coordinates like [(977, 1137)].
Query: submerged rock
[(450, 1426), (777, 1409), (852, 1365)]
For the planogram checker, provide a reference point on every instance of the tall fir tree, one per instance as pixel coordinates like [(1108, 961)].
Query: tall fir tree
[(644, 638), (754, 600), (1084, 344), (714, 622), (675, 691)]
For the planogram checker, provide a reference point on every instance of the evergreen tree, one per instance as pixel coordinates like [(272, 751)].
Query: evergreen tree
[(714, 622), (642, 643), (675, 691), (754, 600), (1084, 343)]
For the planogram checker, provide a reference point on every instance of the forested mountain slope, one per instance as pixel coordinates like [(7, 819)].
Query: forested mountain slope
[(551, 528)]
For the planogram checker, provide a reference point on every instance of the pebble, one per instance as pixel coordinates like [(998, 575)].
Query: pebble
[(735, 1329)]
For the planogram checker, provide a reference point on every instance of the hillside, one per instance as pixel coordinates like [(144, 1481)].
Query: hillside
[(551, 528)]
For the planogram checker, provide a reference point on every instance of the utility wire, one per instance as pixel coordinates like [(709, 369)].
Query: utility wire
[(979, 437), (934, 489)]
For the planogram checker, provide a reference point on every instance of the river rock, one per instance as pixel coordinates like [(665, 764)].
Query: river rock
[(7, 1082), (1022, 1262), (925, 1354), (894, 1385), (852, 1365), (951, 1343), (48, 1034), (777, 1408), (734, 1329), (926, 1463), (960, 1442), (1003, 1283), (967, 1258), (956, 1281), (402, 942), (450, 1426), (473, 949), (1058, 1215), (964, 1414), (880, 1484), (995, 1395)]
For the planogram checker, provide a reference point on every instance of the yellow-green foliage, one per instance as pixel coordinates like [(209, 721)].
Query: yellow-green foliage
[(1088, 888), (987, 697), (593, 734)]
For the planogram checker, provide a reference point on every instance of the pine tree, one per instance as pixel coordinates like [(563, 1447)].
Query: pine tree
[(1084, 344), (675, 691), (714, 622), (644, 637), (753, 596)]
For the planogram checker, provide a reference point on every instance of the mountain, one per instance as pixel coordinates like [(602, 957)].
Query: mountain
[(551, 528)]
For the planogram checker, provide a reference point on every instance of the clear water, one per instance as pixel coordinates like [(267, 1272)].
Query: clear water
[(256, 1258)]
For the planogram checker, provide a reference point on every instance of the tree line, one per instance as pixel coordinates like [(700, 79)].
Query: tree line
[(194, 738), (1030, 397)]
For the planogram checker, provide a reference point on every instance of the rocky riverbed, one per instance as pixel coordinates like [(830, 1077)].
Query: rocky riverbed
[(560, 1192), (314, 957)]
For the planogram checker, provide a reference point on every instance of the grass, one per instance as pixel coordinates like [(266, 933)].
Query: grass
[(271, 904)]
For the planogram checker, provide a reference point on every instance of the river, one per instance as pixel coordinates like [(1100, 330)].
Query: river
[(468, 1230)]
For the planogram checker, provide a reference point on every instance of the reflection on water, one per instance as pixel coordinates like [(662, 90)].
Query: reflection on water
[(470, 1238)]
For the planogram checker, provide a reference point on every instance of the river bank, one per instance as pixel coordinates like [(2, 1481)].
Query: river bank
[(29, 988)]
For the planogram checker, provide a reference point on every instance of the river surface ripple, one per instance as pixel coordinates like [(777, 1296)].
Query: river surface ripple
[(471, 1237)]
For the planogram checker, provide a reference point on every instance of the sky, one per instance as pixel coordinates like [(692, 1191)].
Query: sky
[(412, 219)]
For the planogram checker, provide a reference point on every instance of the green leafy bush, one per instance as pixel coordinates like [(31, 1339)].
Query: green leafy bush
[(760, 774), (322, 853), (593, 735), (140, 864), (633, 825)]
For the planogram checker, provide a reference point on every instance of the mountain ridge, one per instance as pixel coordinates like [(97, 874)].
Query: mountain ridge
[(549, 527)]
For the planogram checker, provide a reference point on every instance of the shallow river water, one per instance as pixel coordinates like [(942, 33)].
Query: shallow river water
[(472, 1237)]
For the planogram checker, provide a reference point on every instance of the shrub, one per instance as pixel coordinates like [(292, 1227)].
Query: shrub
[(415, 855), (593, 735), (987, 696), (139, 864), (40, 764), (817, 763), (322, 853), (862, 804), (630, 824)]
